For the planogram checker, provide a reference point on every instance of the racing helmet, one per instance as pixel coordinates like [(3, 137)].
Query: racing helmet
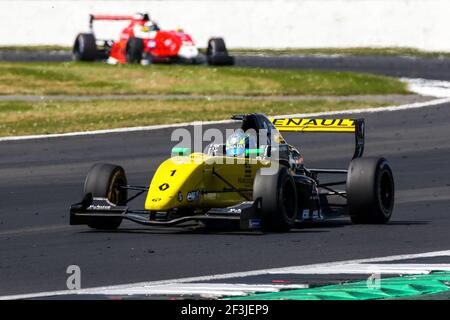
[(141, 16), (151, 26), (237, 143)]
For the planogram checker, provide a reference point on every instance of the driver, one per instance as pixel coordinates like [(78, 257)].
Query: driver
[(237, 144), (151, 26)]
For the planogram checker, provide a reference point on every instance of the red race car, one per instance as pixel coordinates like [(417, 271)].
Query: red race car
[(142, 41)]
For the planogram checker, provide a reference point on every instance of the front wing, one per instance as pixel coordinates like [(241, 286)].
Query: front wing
[(90, 208)]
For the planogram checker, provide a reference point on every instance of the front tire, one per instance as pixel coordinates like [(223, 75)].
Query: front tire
[(217, 53), (134, 50), (106, 181), (370, 191), (276, 197), (84, 48)]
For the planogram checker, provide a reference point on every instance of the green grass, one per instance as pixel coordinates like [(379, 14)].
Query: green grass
[(355, 51), (25, 118), (70, 78)]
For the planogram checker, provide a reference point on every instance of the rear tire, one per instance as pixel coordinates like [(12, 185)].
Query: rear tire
[(84, 48), (217, 53), (105, 181), (134, 50), (276, 197), (370, 191)]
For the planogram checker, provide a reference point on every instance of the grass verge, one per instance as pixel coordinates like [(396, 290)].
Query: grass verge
[(27, 118), (69, 78)]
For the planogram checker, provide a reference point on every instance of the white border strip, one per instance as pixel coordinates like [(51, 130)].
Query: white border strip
[(328, 266), (185, 124)]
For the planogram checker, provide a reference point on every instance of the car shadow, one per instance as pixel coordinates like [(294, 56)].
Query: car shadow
[(310, 227), (198, 231), (323, 224), (407, 223)]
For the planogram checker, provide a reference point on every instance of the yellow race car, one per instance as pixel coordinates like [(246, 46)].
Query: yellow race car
[(254, 181)]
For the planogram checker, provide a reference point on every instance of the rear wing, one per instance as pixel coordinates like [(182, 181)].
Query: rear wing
[(355, 126), (107, 17)]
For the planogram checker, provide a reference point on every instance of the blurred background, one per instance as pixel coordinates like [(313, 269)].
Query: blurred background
[(421, 24)]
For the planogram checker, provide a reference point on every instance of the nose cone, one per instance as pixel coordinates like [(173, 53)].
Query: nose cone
[(188, 51), (172, 181)]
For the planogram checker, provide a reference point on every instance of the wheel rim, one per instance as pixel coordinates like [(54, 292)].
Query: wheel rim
[(386, 192), (116, 194), (76, 49), (213, 48)]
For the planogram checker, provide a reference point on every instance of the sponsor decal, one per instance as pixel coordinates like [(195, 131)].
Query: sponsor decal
[(99, 207), (315, 214), (305, 213), (193, 196), (254, 223), (314, 125)]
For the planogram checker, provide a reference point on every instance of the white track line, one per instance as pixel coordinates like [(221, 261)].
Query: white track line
[(177, 125), (416, 105), (369, 269), (203, 289), (435, 88), (359, 268)]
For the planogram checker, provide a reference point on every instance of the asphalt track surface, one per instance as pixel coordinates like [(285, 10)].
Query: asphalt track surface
[(396, 66), (41, 178)]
